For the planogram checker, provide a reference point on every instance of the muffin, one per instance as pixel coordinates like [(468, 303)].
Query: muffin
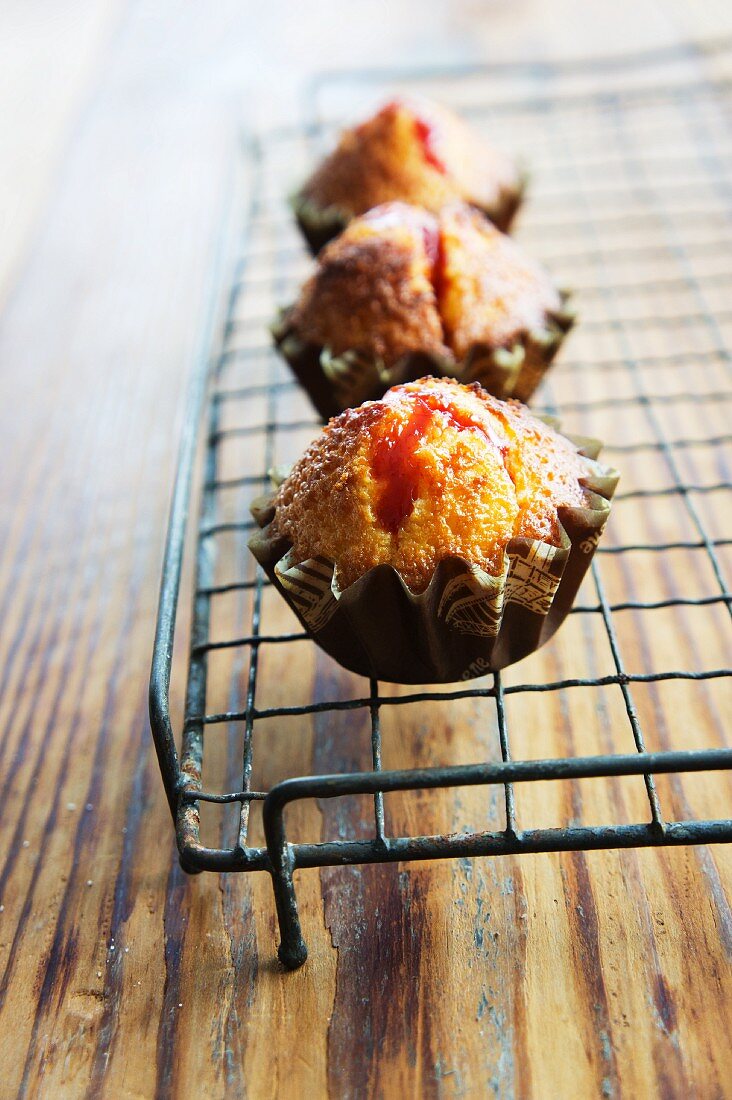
[(413, 152), (435, 535), (402, 292)]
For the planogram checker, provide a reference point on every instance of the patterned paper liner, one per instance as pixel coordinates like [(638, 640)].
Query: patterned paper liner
[(338, 382), (467, 622), (320, 224)]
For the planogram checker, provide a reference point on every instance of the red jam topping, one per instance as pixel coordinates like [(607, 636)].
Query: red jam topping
[(426, 135), (436, 255), (393, 456), (392, 464), (435, 250)]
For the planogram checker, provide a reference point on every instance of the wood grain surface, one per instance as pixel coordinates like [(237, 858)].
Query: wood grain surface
[(576, 975)]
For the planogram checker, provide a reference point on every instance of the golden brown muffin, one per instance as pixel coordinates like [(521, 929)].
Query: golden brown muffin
[(413, 152), (489, 291), (448, 291), (436, 469), (373, 290)]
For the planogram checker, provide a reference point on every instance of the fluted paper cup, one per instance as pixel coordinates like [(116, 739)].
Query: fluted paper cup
[(337, 382)]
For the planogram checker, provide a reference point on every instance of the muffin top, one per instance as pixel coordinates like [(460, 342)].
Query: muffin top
[(434, 469), (372, 289), (412, 151), (400, 280)]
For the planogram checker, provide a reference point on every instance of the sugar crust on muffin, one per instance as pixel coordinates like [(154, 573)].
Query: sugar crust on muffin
[(433, 470)]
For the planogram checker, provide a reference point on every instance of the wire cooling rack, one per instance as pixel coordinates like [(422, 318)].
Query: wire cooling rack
[(630, 204)]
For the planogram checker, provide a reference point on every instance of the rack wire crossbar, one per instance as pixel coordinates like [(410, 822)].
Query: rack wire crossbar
[(606, 164)]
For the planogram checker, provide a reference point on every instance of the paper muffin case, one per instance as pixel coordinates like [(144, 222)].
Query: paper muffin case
[(320, 224), (338, 382), (466, 623)]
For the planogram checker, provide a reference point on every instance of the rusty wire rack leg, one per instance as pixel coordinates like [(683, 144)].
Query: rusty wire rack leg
[(293, 950)]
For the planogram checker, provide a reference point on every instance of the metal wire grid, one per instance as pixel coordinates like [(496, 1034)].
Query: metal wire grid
[(607, 183)]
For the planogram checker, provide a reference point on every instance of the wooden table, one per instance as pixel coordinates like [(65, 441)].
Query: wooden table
[(590, 974)]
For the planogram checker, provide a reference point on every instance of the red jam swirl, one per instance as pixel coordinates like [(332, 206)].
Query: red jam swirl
[(426, 135), (392, 464), (393, 457)]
